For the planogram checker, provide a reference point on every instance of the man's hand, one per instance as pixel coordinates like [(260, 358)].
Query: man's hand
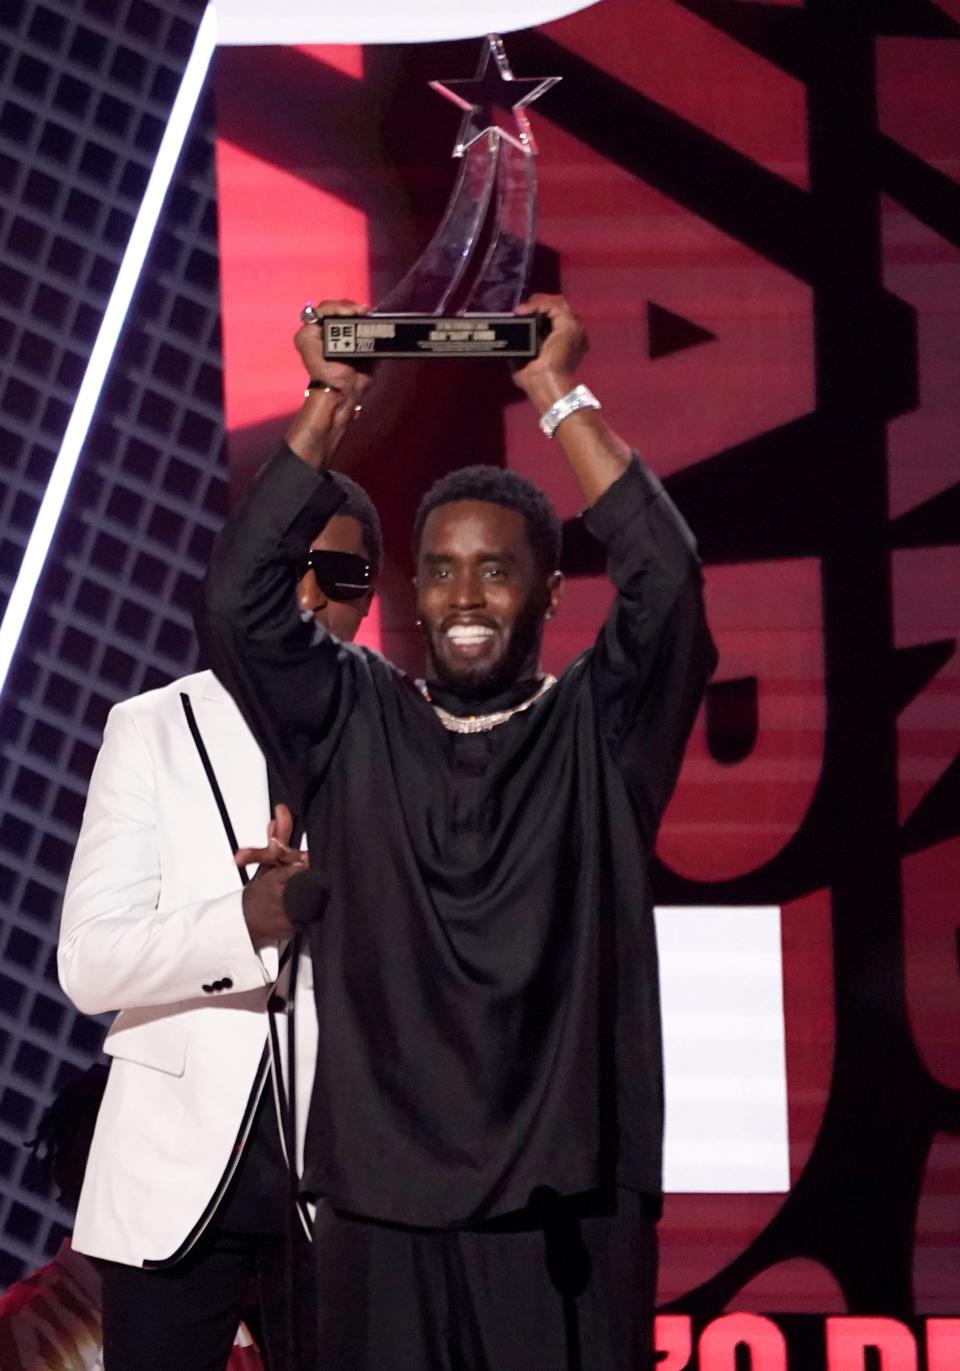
[(550, 374), (263, 910), (308, 341), (325, 415)]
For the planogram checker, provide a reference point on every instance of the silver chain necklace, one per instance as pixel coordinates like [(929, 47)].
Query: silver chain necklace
[(482, 723)]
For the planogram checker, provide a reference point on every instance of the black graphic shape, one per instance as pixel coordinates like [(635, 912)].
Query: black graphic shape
[(936, 818), (668, 332), (915, 667), (732, 719), (935, 523)]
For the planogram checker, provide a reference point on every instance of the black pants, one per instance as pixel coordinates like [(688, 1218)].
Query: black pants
[(571, 1288), (184, 1317)]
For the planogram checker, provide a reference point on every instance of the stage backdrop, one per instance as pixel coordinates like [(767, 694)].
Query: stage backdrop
[(756, 209)]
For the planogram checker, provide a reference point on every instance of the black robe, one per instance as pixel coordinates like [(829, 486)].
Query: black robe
[(486, 970)]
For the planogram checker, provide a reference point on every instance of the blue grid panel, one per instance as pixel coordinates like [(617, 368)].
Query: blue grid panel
[(85, 90)]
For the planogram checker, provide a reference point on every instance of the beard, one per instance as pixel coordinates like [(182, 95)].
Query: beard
[(473, 683)]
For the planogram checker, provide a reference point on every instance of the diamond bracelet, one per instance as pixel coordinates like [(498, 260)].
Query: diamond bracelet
[(581, 397)]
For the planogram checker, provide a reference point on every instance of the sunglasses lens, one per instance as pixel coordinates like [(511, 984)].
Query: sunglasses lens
[(340, 575)]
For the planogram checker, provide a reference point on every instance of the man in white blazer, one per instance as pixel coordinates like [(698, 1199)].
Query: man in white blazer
[(185, 1195)]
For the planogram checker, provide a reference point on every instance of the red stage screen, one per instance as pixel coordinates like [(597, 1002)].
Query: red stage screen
[(756, 209)]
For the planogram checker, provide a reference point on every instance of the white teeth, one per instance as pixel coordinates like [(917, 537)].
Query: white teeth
[(468, 633)]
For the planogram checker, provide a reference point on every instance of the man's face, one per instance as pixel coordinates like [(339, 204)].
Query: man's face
[(341, 617), (481, 597)]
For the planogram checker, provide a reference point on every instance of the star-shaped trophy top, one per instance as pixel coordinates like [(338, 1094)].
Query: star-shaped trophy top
[(493, 92)]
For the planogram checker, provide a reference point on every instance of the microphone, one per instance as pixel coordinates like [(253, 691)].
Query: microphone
[(305, 898)]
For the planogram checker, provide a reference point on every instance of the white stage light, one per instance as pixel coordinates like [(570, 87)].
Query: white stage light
[(101, 356), (382, 21)]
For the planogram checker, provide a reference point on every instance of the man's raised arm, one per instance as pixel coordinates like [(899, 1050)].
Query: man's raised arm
[(269, 655), (597, 455), (654, 655)]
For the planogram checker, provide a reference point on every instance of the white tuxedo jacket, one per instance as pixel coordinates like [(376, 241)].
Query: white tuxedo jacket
[(153, 927)]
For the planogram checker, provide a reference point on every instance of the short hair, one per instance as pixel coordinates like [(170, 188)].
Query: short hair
[(498, 487), (359, 506)]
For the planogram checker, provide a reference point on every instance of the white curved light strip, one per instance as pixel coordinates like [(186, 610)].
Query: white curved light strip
[(382, 21), (51, 506)]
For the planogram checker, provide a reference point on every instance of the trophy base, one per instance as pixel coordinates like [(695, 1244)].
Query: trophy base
[(375, 336)]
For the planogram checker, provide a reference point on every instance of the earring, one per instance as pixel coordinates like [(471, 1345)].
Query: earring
[(418, 622)]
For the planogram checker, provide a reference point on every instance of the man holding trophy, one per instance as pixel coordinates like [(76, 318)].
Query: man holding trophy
[(484, 1140), (485, 1132)]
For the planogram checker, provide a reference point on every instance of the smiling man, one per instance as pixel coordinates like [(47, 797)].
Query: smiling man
[(485, 1130), (487, 548)]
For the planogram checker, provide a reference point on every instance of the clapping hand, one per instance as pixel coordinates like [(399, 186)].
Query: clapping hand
[(263, 909)]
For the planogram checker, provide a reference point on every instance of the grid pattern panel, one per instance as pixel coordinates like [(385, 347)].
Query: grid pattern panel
[(84, 93)]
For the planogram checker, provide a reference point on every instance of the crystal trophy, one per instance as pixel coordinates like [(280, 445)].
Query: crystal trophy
[(458, 298)]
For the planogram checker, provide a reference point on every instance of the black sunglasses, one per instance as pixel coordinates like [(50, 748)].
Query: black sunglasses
[(340, 575)]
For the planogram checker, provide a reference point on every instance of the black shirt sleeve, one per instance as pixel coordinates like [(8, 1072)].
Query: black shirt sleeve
[(654, 654), (285, 673)]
